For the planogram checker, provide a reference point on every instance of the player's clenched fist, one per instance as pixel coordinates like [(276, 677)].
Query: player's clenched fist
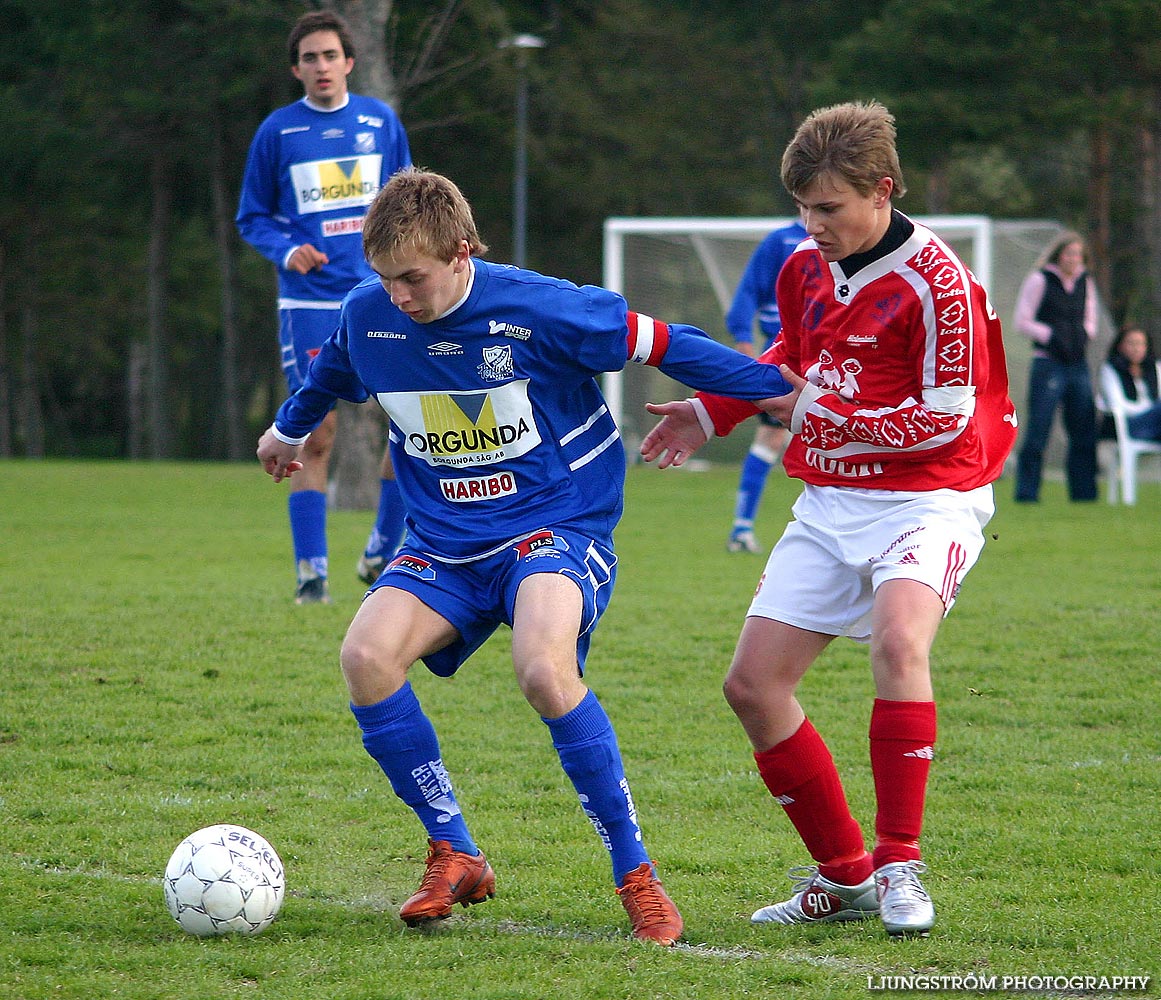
[(278, 458)]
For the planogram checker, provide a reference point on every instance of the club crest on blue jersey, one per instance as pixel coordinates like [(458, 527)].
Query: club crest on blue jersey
[(497, 364), (414, 565), (543, 543)]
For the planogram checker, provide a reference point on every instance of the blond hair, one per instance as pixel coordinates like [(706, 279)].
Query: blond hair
[(1055, 249), (854, 142), (421, 211)]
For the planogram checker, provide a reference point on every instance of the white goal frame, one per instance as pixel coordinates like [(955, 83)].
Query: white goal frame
[(976, 228)]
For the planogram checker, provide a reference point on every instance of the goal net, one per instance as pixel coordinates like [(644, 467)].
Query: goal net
[(685, 270)]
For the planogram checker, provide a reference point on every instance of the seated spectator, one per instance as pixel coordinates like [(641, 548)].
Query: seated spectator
[(1132, 366)]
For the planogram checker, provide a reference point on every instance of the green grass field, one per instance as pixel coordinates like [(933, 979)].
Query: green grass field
[(157, 678)]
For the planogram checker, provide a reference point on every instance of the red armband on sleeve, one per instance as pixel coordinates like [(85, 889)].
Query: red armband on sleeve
[(648, 339)]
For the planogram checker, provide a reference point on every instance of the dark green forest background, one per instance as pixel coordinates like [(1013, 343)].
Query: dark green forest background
[(134, 322)]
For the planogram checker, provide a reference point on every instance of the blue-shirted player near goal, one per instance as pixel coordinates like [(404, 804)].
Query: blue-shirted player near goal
[(755, 296), (312, 170), (513, 474)]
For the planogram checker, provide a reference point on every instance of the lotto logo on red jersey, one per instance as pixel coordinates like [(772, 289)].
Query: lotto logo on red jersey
[(478, 488)]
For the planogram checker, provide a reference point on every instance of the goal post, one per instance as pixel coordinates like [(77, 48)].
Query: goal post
[(685, 270)]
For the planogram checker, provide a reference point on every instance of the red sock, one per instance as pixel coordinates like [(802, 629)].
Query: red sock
[(902, 742), (801, 775)]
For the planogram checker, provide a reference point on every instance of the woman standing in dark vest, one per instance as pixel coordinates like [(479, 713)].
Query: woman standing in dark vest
[(1058, 309)]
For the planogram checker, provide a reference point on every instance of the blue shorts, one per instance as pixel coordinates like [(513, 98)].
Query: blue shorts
[(301, 333), (477, 597)]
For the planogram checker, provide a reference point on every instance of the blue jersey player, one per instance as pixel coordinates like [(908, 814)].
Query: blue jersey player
[(313, 168), (513, 473), (755, 297)]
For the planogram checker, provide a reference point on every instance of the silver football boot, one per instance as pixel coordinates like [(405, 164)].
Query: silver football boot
[(904, 905), (817, 899)]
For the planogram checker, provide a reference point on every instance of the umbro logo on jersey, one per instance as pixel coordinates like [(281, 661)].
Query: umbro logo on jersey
[(923, 753), (444, 347), (333, 133)]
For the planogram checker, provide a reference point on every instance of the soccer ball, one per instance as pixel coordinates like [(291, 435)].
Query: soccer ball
[(224, 879)]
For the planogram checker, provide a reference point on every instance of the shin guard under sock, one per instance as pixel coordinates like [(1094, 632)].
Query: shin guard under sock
[(801, 775), (402, 740), (587, 746), (308, 529), (751, 484), (902, 746)]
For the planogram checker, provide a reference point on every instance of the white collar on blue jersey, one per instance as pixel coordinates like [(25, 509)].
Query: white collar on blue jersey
[(326, 111), (467, 291)]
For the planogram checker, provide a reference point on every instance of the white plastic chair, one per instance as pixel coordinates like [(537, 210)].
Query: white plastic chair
[(1123, 474)]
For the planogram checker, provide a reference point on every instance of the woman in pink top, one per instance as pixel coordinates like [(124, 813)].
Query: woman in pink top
[(1058, 310)]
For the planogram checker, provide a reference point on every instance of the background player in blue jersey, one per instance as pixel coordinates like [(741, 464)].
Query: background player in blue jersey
[(513, 474), (313, 168), (755, 296)]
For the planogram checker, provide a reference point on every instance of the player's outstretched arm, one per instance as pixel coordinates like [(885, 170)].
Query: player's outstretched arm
[(676, 437), (278, 458), (782, 407)]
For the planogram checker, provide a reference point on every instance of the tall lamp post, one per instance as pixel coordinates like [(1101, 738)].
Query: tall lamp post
[(521, 43)]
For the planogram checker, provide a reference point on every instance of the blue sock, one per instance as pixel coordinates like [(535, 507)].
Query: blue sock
[(752, 482), (402, 741), (308, 529), (388, 530), (589, 754)]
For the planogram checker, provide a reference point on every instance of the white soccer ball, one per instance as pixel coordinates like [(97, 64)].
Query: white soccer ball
[(224, 879)]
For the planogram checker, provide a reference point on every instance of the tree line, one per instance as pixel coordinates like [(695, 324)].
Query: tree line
[(135, 323)]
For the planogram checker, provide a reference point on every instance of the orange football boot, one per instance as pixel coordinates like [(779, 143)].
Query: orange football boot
[(651, 911), (451, 877)]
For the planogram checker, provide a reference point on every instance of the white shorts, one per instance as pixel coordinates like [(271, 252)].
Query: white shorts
[(843, 543)]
